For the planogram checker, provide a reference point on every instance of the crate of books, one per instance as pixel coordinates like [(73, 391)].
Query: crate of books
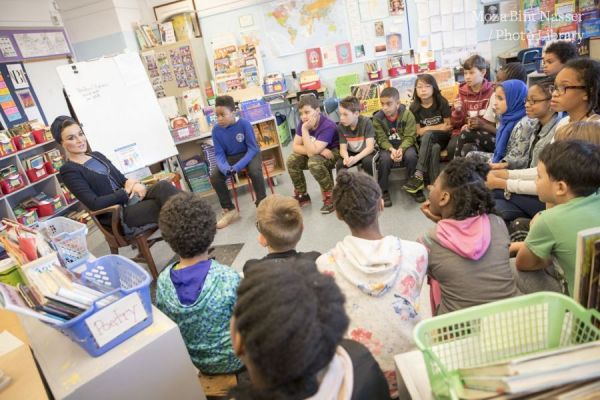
[(516, 346), (69, 239), (106, 302)]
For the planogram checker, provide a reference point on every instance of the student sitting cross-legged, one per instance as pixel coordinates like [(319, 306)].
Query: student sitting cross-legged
[(316, 148), (235, 149), (395, 131), (197, 293), (357, 137), (381, 276), (288, 327), (279, 224)]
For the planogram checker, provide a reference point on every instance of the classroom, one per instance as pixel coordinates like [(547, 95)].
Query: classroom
[(299, 199)]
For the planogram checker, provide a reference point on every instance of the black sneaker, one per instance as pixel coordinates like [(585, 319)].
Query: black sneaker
[(414, 185), (419, 196), (328, 207), (387, 200), (302, 198)]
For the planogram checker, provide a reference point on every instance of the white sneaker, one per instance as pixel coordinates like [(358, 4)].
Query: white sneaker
[(227, 218)]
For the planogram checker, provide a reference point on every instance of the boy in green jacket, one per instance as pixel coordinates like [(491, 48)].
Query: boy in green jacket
[(395, 135)]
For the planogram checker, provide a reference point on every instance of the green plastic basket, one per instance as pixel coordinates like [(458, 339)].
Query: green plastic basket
[(500, 331)]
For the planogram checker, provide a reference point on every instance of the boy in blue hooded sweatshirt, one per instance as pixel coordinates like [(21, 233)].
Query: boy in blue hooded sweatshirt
[(235, 149)]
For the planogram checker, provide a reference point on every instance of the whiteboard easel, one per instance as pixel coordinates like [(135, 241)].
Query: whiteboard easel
[(118, 111)]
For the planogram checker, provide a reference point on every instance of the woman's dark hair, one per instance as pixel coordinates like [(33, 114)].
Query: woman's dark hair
[(59, 124), (188, 224), (291, 319), (575, 162), (465, 179), (588, 72), (438, 99), (356, 198), (225, 101), (563, 50)]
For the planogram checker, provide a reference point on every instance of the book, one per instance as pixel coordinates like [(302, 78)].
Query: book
[(167, 33), (583, 263), (314, 59), (536, 381), (539, 362), (11, 299), (594, 295)]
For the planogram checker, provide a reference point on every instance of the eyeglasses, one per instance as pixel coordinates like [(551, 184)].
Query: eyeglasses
[(535, 101), (563, 89)]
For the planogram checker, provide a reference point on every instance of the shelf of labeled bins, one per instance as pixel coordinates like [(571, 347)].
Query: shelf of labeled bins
[(4, 156), (20, 189)]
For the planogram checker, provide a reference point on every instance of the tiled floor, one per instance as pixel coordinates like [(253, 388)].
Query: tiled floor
[(321, 232)]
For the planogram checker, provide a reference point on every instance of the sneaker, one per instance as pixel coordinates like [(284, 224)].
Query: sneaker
[(387, 200), (302, 198), (227, 218), (414, 185), (419, 196), (328, 206)]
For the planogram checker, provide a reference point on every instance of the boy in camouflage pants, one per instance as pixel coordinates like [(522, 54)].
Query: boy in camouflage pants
[(316, 148)]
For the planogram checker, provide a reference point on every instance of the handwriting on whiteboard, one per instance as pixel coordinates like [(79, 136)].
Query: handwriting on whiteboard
[(91, 92), (116, 318)]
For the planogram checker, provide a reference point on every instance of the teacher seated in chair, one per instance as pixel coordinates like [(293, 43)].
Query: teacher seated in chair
[(98, 184)]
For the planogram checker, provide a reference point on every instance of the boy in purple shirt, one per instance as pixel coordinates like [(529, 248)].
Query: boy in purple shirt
[(316, 148), (235, 149)]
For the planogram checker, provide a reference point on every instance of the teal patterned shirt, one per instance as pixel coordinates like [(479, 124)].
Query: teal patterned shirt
[(204, 324)]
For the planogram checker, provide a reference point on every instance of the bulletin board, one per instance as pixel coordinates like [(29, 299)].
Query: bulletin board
[(118, 111), (24, 44), (285, 29), (18, 101)]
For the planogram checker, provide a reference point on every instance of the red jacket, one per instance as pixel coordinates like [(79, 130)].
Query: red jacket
[(471, 101)]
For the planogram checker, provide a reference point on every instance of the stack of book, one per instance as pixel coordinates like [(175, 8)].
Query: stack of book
[(587, 271), (557, 373), (196, 171)]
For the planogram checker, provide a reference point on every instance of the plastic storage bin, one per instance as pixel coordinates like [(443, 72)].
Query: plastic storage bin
[(255, 110), (11, 276), (500, 331), (69, 238), (124, 277)]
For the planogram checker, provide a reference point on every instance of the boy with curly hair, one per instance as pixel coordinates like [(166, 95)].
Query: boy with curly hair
[(197, 293)]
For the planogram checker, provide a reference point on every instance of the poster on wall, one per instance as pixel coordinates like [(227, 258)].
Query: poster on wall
[(314, 59), (396, 7), (7, 50), (491, 13), (28, 103), (7, 103), (17, 76), (18, 101)]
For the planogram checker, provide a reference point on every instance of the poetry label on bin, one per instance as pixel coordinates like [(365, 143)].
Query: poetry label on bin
[(116, 318)]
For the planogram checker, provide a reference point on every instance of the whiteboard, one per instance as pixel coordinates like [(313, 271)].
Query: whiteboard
[(118, 111)]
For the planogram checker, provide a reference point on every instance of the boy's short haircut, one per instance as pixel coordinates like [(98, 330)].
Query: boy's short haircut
[(390, 93), (279, 220), (563, 50), (350, 103), (514, 70), (575, 162), (475, 61), (225, 101), (188, 224), (308, 100)]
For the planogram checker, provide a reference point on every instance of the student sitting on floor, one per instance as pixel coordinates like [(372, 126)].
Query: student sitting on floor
[(556, 55), (197, 293), (489, 121), (432, 114), (512, 201), (510, 106), (472, 101), (395, 130), (316, 148), (235, 149), (279, 224), (287, 327), (468, 248), (357, 137), (381, 276), (569, 178)]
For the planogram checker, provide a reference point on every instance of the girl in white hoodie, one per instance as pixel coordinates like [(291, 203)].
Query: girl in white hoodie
[(380, 276), (287, 328)]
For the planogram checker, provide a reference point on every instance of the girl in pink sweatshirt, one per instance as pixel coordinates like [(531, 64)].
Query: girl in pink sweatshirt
[(468, 248)]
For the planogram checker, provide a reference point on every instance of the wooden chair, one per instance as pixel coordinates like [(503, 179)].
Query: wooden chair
[(116, 239)]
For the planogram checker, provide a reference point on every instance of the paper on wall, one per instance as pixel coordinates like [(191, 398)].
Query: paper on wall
[(459, 38), (470, 5), (457, 5), (436, 41), (423, 10), (509, 6), (130, 158), (17, 76), (434, 7), (436, 24), (448, 40), (447, 23), (470, 20), (424, 27), (445, 7), (458, 21), (354, 20)]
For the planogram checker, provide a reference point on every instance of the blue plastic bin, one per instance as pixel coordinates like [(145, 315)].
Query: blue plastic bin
[(124, 277), (69, 239)]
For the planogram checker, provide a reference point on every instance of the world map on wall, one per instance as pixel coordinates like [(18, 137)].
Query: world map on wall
[(293, 26)]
